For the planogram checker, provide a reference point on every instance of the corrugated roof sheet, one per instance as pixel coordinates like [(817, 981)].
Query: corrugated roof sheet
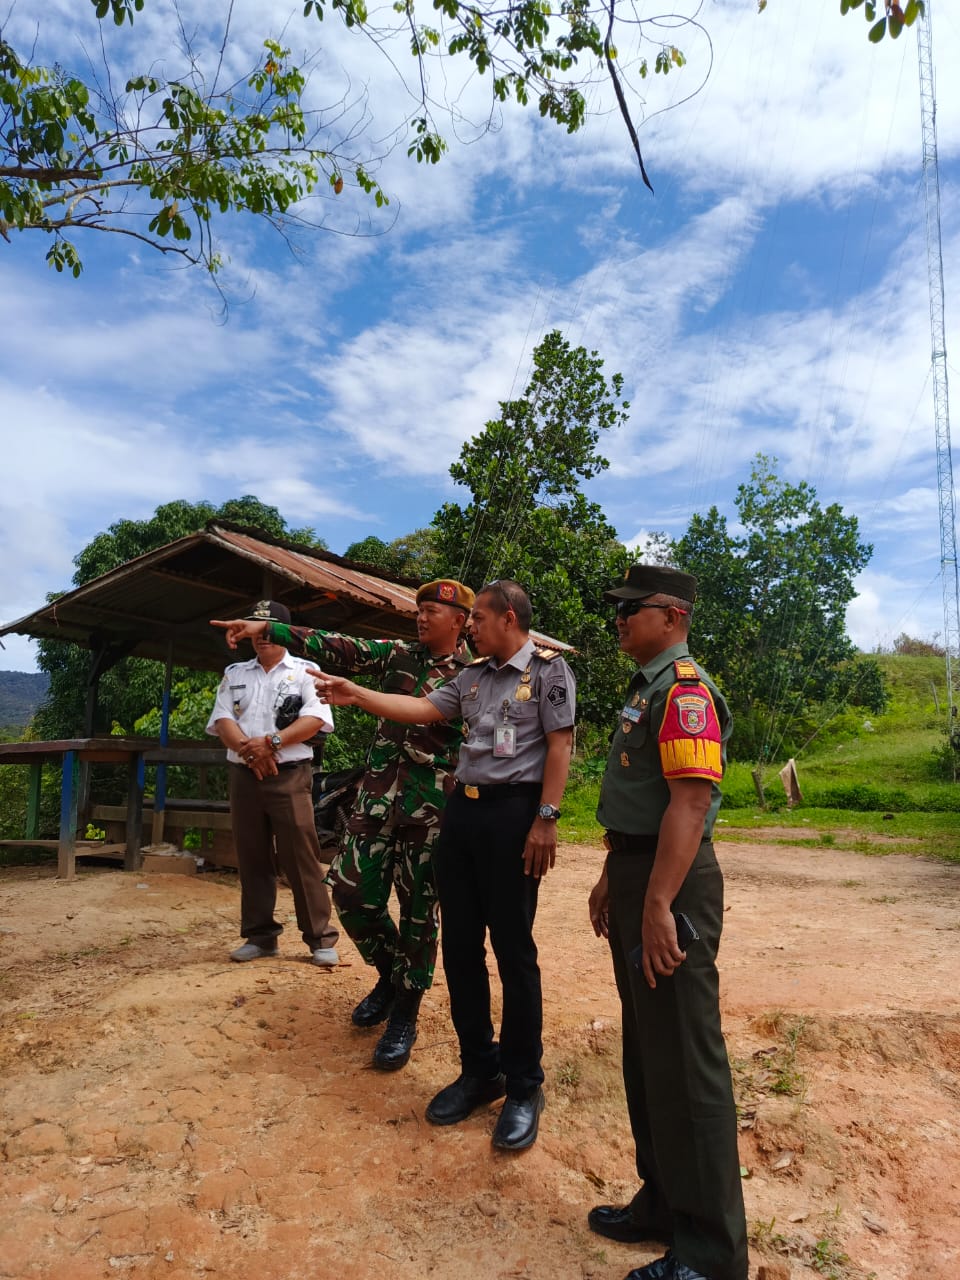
[(167, 597)]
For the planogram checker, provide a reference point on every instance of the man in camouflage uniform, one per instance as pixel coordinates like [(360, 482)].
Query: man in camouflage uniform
[(395, 821)]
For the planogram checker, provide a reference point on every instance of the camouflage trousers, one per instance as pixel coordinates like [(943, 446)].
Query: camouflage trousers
[(374, 856)]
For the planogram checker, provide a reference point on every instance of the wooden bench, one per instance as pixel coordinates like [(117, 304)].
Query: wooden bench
[(210, 817)]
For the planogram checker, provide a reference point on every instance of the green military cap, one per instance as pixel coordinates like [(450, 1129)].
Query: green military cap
[(447, 591), (642, 580)]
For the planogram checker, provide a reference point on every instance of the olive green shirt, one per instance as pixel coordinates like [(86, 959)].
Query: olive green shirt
[(634, 793)]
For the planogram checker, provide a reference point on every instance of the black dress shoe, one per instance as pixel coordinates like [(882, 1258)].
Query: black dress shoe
[(458, 1100), (373, 1008), (666, 1268), (518, 1123), (616, 1223), (393, 1048)]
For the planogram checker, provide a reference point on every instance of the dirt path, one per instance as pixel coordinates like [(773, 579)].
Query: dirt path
[(169, 1114)]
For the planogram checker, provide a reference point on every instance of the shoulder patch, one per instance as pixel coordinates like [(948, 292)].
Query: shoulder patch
[(557, 696), (684, 669), (689, 737), (546, 654)]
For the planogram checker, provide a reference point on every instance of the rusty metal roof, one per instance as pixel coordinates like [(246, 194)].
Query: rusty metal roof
[(170, 595)]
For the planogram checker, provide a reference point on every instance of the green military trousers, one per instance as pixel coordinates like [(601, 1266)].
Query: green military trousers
[(376, 855), (677, 1075)]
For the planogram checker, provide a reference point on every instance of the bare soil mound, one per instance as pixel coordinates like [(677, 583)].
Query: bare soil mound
[(169, 1114)]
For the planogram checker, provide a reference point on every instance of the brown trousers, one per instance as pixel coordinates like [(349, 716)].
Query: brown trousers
[(278, 809)]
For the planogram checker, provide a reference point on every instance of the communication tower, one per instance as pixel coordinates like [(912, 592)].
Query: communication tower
[(941, 399)]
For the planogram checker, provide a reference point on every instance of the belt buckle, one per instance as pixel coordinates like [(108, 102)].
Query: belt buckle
[(470, 791)]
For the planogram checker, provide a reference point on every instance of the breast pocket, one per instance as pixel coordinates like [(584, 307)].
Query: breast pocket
[(631, 746)]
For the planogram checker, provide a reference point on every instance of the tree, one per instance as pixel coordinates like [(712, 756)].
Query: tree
[(161, 159), (770, 621), (528, 519), (135, 685), (894, 17), (414, 555)]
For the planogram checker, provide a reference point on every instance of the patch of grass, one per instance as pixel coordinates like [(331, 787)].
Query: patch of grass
[(928, 834), (772, 1070), (568, 1074), (579, 822), (829, 1259), (762, 1235)]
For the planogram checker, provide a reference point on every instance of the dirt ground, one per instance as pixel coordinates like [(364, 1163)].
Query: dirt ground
[(169, 1114)]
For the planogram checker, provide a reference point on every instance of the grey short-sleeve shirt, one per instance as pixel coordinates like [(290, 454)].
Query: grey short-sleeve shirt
[(485, 695)]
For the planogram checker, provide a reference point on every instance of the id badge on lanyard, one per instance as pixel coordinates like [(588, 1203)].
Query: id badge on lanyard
[(505, 735)]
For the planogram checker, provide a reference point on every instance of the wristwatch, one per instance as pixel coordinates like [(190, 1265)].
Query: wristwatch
[(549, 812), (275, 741)]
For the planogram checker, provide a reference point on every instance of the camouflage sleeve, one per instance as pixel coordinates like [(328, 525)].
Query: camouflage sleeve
[(340, 654)]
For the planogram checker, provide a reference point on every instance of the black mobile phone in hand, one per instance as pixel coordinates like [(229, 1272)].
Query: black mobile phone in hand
[(686, 934)]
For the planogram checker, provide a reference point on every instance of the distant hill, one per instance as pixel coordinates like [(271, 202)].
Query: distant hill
[(21, 692)]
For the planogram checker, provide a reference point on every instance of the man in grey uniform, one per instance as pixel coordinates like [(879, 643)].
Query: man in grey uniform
[(497, 839)]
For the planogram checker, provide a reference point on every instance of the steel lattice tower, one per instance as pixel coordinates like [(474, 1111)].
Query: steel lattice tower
[(941, 399)]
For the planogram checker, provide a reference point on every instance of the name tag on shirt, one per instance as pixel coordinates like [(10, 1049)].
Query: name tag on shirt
[(634, 714), (505, 740)]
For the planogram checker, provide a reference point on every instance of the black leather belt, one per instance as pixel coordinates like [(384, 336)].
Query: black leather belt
[(629, 842), (497, 790), (287, 764)]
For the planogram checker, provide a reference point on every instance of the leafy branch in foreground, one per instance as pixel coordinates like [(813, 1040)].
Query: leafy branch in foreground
[(894, 17), (159, 162)]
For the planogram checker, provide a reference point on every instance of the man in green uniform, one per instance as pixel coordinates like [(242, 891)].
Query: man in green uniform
[(659, 902), (395, 822)]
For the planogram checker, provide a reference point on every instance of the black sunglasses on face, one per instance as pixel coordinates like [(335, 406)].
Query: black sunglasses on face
[(627, 608)]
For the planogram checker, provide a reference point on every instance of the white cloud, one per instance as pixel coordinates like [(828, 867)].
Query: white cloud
[(772, 296)]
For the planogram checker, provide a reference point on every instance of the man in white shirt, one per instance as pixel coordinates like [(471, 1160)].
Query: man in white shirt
[(266, 710)]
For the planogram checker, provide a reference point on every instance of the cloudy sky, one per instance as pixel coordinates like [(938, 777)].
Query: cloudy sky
[(772, 295)]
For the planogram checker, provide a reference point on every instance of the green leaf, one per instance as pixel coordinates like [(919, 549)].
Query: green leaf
[(877, 31)]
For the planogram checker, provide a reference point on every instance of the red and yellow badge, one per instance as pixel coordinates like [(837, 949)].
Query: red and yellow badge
[(446, 593), (689, 737)]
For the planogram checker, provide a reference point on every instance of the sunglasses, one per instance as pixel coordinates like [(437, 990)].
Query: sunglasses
[(497, 586), (627, 608)]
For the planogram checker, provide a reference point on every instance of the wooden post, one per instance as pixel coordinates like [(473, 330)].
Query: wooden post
[(757, 776), (33, 800), (160, 796), (67, 848), (132, 859)]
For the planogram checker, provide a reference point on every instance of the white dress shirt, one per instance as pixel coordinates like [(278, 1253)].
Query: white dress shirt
[(251, 697)]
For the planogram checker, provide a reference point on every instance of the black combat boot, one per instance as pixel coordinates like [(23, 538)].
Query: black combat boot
[(375, 1006), (393, 1049)]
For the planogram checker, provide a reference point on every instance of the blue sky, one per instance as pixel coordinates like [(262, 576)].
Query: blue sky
[(771, 296)]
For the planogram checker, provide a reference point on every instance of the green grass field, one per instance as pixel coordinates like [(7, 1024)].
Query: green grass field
[(876, 784)]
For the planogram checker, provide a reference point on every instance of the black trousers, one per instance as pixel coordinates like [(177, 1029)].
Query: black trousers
[(481, 885), (677, 1075)]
